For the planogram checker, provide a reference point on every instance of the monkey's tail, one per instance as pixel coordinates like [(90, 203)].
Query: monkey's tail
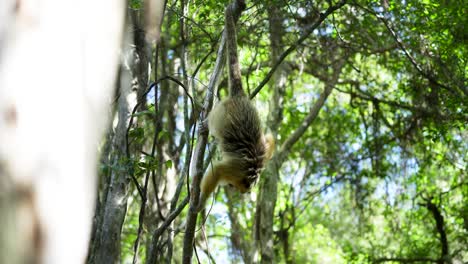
[(235, 80)]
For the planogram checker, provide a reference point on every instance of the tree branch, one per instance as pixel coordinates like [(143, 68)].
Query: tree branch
[(314, 111), (197, 164), (439, 218), (152, 255)]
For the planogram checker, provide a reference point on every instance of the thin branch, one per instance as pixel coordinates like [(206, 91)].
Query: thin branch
[(294, 46), (368, 97), (308, 199), (199, 26), (163, 227), (172, 216), (203, 60)]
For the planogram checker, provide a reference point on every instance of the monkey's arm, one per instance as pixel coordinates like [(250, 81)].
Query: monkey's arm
[(209, 182), (221, 171)]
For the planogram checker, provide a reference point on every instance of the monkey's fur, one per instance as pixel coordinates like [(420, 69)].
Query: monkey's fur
[(236, 126)]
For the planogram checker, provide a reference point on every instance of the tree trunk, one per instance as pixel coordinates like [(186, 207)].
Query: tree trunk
[(106, 247), (107, 241), (51, 122), (269, 180)]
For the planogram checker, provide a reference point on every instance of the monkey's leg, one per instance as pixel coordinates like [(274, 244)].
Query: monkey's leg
[(217, 120), (269, 142)]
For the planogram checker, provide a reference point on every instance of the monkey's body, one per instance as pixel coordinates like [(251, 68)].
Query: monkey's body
[(236, 126)]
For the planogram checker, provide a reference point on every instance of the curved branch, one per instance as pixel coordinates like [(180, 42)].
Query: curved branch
[(314, 111), (440, 226)]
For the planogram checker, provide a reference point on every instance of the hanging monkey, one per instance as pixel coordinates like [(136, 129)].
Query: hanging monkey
[(235, 124)]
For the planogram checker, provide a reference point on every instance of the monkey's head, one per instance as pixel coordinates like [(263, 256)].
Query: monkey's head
[(245, 184), (251, 168)]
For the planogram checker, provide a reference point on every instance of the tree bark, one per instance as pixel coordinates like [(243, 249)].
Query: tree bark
[(114, 205), (107, 240)]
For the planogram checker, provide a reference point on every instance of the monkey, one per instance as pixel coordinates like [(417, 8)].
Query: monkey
[(235, 125)]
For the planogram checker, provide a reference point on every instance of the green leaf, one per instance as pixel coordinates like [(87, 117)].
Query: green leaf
[(168, 164)]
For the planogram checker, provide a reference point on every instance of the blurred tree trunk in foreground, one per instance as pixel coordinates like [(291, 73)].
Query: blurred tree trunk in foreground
[(57, 71)]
